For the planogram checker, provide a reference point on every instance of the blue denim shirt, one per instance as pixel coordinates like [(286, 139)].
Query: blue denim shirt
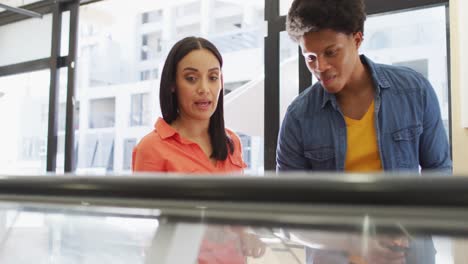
[(408, 123)]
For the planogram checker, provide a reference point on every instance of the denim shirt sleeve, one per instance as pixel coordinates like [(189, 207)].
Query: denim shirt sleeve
[(434, 151), (289, 151)]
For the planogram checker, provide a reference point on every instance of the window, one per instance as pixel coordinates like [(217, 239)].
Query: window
[(140, 114), (187, 30), (188, 9), (420, 66), (406, 32), (151, 17), (151, 46), (24, 102), (145, 75), (246, 149), (98, 153), (231, 86), (102, 113), (129, 144), (119, 64), (416, 39), (62, 116), (15, 40), (379, 40)]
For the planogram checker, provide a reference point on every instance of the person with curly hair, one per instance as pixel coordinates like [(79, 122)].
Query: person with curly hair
[(360, 116)]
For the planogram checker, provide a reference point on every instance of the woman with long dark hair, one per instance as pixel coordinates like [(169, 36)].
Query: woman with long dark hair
[(191, 138)]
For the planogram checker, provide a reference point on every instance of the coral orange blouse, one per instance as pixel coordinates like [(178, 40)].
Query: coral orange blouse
[(165, 150)]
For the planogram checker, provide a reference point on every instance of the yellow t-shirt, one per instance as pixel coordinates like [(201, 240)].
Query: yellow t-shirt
[(362, 153)]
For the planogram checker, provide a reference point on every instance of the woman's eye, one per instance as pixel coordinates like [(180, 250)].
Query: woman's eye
[(190, 78), (214, 78)]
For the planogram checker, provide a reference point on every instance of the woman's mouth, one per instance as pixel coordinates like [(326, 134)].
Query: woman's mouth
[(203, 105)]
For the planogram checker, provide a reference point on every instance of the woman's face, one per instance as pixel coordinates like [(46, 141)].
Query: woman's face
[(198, 84)]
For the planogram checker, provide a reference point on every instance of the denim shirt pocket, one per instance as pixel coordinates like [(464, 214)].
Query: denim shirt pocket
[(406, 143), (321, 158)]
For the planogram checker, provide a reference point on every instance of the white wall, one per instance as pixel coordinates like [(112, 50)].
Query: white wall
[(459, 77)]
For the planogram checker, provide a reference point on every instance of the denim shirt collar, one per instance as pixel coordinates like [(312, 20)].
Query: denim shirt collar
[(380, 81)]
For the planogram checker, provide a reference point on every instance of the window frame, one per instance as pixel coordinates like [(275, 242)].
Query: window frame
[(275, 22)]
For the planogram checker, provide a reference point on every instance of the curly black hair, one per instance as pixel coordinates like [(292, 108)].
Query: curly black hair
[(345, 16)]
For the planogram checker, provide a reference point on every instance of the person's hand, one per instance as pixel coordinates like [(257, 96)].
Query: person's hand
[(251, 245), (387, 250)]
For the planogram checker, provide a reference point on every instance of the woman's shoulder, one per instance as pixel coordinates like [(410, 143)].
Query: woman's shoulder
[(236, 141), (233, 136), (236, 157), (151, 142), (155, 138), (147, 154)]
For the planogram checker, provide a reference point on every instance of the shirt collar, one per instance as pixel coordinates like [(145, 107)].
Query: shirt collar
[(165, 131), (380, 81)]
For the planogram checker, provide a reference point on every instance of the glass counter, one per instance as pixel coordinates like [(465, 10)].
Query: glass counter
[(200, 219)]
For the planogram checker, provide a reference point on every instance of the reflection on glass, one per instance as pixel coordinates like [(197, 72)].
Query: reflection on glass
[(121, 52), (24, 110), (73, 237), (72, 234), (416, 39)]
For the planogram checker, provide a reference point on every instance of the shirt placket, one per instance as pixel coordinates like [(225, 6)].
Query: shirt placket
[(378, 102), (341, 141)]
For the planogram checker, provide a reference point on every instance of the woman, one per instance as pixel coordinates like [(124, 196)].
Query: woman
[(191, 137)]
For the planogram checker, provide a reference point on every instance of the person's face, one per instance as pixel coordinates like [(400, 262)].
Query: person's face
[(198, 84), (331, 56)]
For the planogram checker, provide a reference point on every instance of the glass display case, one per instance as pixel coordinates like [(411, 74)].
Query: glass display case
[(295, 218)]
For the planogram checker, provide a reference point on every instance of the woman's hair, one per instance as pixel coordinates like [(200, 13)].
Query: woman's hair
[(345, 16), (220, 141)]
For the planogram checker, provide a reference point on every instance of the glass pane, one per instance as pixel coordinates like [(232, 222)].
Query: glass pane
[(281, 229), (284, 6), (74, 237), (121, 53), (61, 120), (65, 33), (15, 40), (139, 110), (69, 234), (289, 72), (415, 39), (24, 110), (17, 3)]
